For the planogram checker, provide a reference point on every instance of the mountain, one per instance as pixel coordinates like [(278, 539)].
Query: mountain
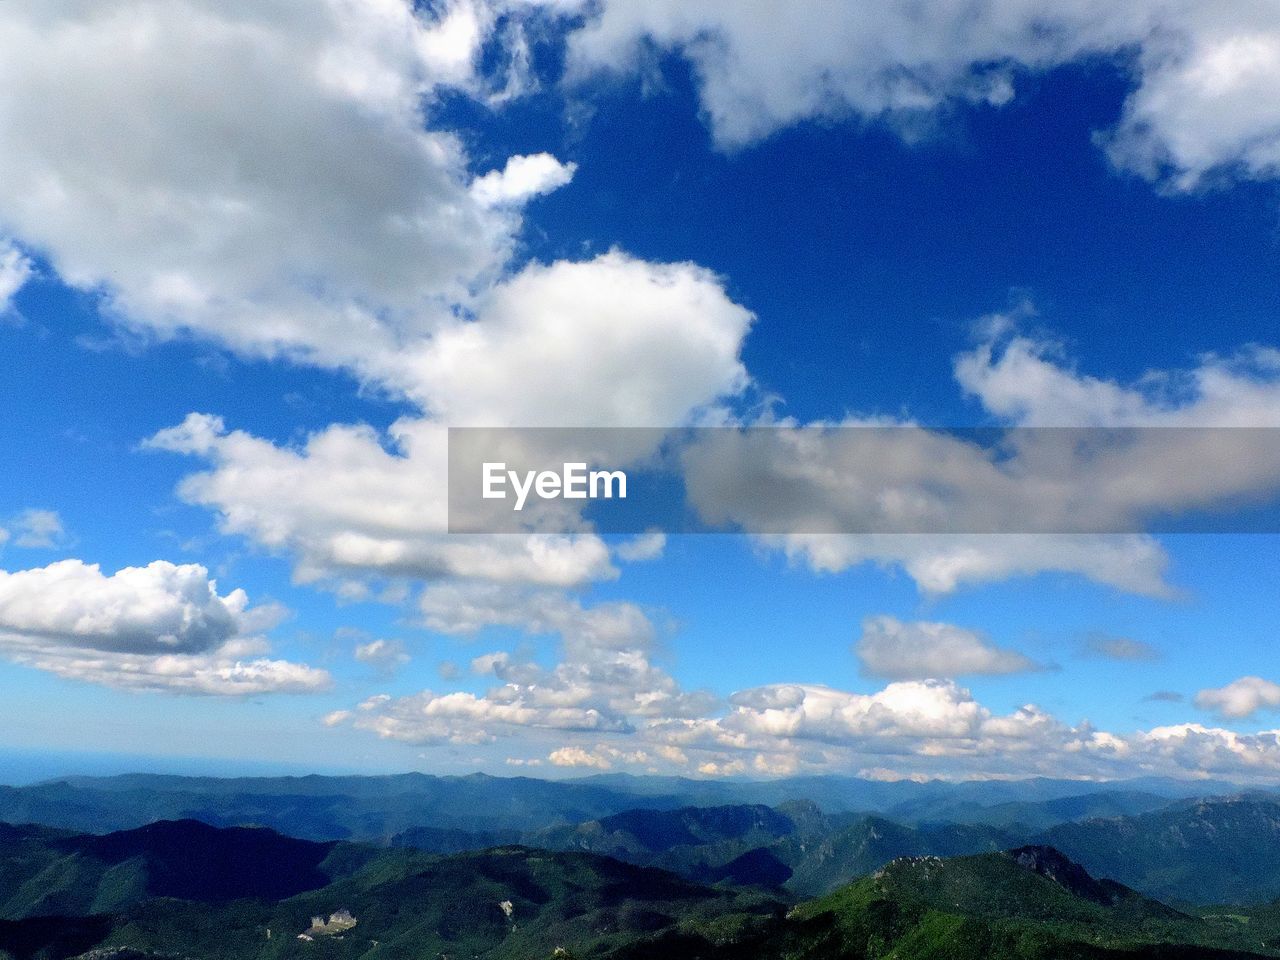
[(1224, 850), (507, 902), (794, 846), (1028, 815), (1219, 850), (378, 808), (47, 872), (1030, 903), (316, 808), (870, 842)]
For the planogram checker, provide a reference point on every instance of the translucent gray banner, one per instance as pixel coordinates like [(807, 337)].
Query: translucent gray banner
[(865, 480)]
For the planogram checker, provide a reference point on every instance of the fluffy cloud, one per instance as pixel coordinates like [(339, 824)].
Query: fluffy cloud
[(936, 728), (521, 179), (15, 270), (356, 508), (193, 136), (1025, 381), (1241, 698), (160, 608), (605, 681), (578, 757), (159, 627), (921, 649), (1202, 73), (610, 342), (600, 757)]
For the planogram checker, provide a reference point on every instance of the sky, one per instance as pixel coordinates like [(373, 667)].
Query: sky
[(255, 258)]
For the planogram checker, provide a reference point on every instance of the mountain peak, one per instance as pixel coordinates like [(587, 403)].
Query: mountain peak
[(1053, 864)]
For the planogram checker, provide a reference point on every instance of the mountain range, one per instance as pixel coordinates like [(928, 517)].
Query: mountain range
[(355, 900)]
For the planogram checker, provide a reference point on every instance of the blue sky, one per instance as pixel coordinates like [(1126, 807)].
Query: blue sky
[(300, 247)]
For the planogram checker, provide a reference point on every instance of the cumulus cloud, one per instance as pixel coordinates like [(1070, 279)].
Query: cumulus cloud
[(173, 212), (356, 508), (154, 609), (606, 679), (599, 757), (159, 627), (611, 342), (1200, 100), (1240, 698), (921, 649), (521, 179), (578, 757), (936, 728)]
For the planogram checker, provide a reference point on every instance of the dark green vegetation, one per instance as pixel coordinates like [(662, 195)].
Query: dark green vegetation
[(622, 868), (1030, 903), (50, 872), (1026, 903), (506, 902)]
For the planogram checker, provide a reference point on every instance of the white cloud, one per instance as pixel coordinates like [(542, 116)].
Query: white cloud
[(522, 179), (605, 681), (1241, 698), (1205, 103), (1023, 380), (38, 529), (160, 608), (922, 649), (193, 136), (356, 508), (159, 627), (578, 757), (223, 672), (611, 342), (15, 270), (1202, 79)]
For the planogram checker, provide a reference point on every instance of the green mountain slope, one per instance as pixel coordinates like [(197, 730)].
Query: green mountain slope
[(1224, 850), (1030, 904), (504, 903), (794, 846), (47, 872)]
